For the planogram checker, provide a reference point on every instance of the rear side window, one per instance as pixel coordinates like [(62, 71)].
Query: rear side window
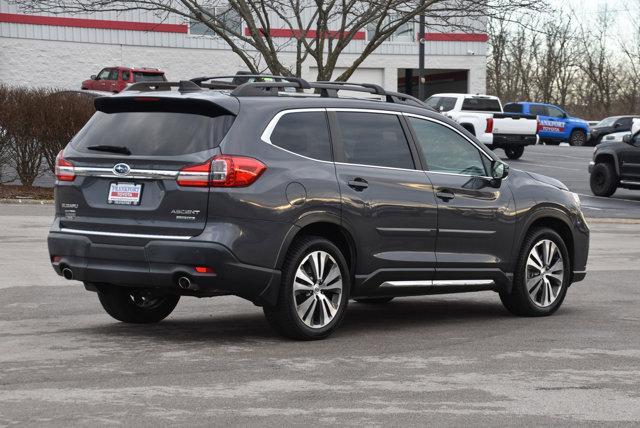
[(441, 103), (374, 139), (481, 104), (147, 77), (304, 133), (154, 133), (126, 74), (513, 108)]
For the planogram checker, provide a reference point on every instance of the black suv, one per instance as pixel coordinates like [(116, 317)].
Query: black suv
[(300, 202), (616, 164)]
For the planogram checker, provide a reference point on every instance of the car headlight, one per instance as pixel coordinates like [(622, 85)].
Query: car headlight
[(576, 198)]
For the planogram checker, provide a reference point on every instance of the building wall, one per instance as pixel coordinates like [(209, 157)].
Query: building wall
[(65, 54)]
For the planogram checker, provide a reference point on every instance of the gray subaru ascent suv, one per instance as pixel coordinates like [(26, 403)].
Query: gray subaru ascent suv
[(300, 201)]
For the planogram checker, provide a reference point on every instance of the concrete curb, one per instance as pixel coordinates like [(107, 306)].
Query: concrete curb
[(27, 201)]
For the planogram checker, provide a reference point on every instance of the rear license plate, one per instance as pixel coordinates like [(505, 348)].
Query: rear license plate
[(125, 193)]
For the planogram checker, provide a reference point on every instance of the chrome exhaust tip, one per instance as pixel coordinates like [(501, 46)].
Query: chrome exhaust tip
[(67, 273), (184, 282)]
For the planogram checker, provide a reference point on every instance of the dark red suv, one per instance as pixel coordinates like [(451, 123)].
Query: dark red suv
[(116, 79)]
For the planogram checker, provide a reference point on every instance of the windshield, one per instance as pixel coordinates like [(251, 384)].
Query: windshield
[(481, 104), (154, 133), (609, 121)]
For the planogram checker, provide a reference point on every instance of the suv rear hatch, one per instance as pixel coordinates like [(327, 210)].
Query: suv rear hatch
[(123, 169)]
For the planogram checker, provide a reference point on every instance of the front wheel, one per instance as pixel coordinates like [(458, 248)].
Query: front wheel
[(137, 306), (514, 152), (314, 291), (578, 138), (603, 180), (542, 275)]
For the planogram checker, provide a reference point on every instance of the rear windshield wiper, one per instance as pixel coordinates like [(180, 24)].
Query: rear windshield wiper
[(114, 149)]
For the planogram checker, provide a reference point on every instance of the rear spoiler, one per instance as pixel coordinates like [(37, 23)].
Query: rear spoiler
[(155, 103)]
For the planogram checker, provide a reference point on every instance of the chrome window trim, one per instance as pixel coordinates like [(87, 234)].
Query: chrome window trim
[(123, 235), (138, 174)]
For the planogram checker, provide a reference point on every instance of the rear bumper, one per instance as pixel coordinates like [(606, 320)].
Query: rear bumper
[(159, 263), (504, 140)]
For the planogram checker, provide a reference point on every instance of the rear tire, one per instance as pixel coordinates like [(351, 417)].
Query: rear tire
[(603, 179), (578, 138), (514, 152), (314, 292), (374, 300), (540, 283), (137, 306)]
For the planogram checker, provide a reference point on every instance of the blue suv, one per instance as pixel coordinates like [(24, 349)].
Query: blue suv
[(554, 124)]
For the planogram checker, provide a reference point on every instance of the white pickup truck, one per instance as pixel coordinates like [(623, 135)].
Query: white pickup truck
[(482, 115)]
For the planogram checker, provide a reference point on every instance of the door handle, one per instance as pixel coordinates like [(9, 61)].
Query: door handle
[(445, 195), (358, 184)]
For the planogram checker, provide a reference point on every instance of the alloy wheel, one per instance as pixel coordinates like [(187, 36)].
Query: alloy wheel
[(317, 289), (544, 273)]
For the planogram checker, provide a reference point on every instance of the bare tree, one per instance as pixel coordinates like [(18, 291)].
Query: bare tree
[(321, 30)]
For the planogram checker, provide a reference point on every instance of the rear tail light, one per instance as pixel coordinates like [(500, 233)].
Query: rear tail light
[(204, 269), (222, 171), (65, 170), (489, 128), (539, 127)]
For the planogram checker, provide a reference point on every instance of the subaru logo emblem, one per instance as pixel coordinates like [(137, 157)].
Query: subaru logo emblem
[(121, 169)]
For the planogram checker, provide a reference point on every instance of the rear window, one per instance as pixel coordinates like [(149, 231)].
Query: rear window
[(154, 133), (148, 77), (513, 108), (441, 103), (481, 104)]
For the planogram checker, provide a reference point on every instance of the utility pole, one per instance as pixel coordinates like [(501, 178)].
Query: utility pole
[(421, 72)]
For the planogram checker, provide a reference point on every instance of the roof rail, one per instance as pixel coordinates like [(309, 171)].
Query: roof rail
[(183, 86)]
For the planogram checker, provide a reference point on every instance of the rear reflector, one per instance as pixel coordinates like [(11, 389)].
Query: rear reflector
[(222, 171), (64, 170), (489, 128), (204, 269)]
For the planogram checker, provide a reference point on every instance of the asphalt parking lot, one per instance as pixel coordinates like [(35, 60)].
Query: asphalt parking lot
[(569, 165), (457, 360)]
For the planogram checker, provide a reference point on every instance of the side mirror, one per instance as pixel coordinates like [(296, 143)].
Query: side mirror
[(499, 170), (441, 109), (628, 138), (617, 125), (94, 77)]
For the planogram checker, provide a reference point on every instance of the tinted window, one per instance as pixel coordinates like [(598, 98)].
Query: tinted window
[(481, 104), (305, 133), (513, 108), (126, 74), (625, 122), (374, 139), (445, 150), (441, 103), (139, 76), (113, 75), (154, 133), (554, 112), (537, 110)]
